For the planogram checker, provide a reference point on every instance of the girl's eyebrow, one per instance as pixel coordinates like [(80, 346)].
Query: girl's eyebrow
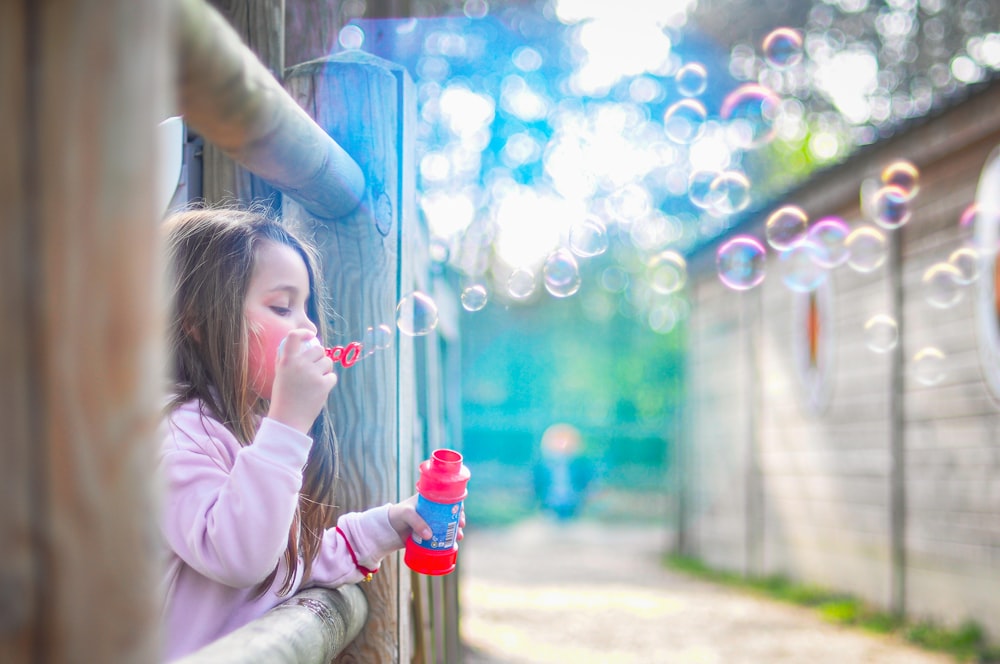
[(284, 287)]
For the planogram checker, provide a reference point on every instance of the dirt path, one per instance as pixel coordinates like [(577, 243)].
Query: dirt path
[(583, 593)]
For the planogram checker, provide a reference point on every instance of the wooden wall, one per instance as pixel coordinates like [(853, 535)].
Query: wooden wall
[(891, 489)]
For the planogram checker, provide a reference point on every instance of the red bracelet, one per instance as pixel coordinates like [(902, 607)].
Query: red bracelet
[(369, 573)]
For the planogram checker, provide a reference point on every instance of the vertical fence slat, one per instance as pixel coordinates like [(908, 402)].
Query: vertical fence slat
[(80, 402), (362, 102)]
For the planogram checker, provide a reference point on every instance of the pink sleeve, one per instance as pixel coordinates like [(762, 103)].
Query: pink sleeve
[(228, 508), (367, 535)]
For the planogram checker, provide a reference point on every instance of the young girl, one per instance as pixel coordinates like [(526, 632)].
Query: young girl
[(248, 453)]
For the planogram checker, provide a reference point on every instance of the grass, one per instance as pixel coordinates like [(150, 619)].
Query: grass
[(966, 642)]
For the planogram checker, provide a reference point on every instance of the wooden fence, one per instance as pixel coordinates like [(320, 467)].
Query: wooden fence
[(84, 351)]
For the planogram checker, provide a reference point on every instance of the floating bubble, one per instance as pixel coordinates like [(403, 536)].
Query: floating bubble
[(866, 249), (351, 37), (691, 79), (904, 175), (729, 192), (588, 237), (561, 274), (416, 314), (700, 186), (968, 216), (783, 48), (890, 207), (786, 227), (474, 297), (684, 121), (966, 261), (801, 271), (830, 233), (751, 111), (667, 272), (741, 262), (941, 287), (881, 333), (378, 337), (929, 366), (521, 283)]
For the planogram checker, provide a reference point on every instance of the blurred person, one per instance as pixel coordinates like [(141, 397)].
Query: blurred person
[(562, 474)]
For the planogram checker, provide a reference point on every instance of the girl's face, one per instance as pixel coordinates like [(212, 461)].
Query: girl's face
[(275, 305)]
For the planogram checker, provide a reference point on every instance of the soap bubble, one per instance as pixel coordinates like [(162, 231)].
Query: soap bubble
[(700, 187), (474, 297), (751, 111), (691, 79), (667, 272), (968, 216), (588, 237), (929, 366), (416, 314), (785, 227), (941, 285), (684, 121), (729, 192), (890, 207), (830, 233), (783, 48), (521, 283), (881, 333), (801, 270), (561, 274), (378, 337), (867, 249), (740, 262), (902, 175), (966, 261), (351, 37)]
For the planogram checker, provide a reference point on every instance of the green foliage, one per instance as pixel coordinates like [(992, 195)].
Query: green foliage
[(966, 642)]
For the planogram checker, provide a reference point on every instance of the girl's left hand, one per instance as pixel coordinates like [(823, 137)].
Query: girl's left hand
[(404, 519)]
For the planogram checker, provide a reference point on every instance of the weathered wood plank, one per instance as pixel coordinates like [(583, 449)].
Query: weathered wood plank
[(81, 388), (362, 103)]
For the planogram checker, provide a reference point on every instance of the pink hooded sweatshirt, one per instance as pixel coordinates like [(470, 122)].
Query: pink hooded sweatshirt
[(226, 516)]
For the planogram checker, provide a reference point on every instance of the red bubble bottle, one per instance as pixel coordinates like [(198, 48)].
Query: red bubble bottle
[(441, 490)]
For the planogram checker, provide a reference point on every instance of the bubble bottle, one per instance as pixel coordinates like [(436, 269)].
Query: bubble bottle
[(441, 489)]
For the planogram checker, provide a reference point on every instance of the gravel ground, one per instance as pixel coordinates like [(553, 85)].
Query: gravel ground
[(580, 592)]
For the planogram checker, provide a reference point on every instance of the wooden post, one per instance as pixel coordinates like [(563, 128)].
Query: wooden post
[(84, 85), (367, 105), (261, 26), (897, 429)]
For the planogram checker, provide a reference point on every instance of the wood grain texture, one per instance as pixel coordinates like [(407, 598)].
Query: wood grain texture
[(360, 102), (88, 83)]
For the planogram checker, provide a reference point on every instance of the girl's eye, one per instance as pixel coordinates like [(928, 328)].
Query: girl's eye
[(282, 311)]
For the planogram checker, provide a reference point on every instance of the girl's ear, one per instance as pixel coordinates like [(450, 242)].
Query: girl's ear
[(191, 330)]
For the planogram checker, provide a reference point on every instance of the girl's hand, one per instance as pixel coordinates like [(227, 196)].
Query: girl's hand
[(404, 519), (303, 378)]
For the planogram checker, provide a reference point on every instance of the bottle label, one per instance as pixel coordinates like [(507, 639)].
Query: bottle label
[(443, 521)]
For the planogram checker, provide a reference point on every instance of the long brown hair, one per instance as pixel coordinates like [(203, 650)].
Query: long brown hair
[(212, 252)]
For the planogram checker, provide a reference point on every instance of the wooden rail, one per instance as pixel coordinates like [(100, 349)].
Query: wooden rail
[(312, 627), (235, 103)]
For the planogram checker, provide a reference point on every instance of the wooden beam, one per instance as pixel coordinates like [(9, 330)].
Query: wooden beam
[(234, 102), (312, 627), (82, 340)]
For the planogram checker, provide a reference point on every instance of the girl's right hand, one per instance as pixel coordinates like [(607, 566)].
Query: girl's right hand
[(303, 378)]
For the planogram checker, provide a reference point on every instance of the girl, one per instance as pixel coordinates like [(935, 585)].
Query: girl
[(248, 452)]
